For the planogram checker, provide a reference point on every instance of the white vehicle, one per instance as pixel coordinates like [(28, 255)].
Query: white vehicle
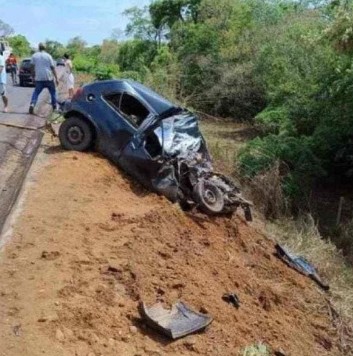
[(5, 48)]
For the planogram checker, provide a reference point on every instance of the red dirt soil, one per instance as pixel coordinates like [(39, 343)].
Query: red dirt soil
[(82, 215)]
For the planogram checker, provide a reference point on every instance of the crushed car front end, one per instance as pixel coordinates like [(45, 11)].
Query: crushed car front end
[(186, 174)]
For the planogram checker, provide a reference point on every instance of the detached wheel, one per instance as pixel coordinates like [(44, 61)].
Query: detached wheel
[(209, 197), (76, 134)]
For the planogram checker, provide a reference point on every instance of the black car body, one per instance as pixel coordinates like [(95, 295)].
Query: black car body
[(152, 139), (25, 73)]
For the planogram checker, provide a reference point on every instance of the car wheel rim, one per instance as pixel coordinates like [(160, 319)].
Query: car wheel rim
[(210, 197), (75, 135)]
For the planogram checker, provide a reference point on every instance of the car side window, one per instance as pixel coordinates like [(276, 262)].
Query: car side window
[(114, 100), (152, 145), (133, 110)]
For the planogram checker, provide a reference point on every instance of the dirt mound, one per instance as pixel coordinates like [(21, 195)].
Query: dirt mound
[(93, 245)]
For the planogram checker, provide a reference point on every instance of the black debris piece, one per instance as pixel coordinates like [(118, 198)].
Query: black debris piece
[(279, 353), (175, 323), (17, 330), (231, 298), (300, 264)]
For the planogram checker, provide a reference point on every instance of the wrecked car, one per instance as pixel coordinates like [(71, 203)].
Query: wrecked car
[(153, 140)]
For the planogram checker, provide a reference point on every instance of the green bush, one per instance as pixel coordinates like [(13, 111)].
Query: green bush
[(105, 71), (130, 74), (273, 120), (299, 163), (84, 64)]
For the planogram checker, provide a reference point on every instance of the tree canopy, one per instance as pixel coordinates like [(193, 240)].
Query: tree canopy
[(20, 45)]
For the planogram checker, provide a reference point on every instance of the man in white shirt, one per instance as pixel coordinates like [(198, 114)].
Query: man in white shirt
[(44, 70), (3, 78)]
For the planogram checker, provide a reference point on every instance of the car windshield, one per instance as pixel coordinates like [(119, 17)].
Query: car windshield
[(26, 63)]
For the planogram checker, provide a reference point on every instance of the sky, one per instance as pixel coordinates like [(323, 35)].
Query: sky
[(61, 20)]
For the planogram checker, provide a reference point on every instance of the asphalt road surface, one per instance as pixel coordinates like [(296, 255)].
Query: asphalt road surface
[(20, 138)]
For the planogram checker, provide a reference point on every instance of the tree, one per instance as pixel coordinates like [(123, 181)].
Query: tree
[(20, 45), (55, 48), (5, 29), (76, 45), (140, 25), (136, 55), (109, 51), (167, 12), (117, 34)]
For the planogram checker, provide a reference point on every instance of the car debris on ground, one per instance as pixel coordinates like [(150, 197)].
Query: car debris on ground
[(175, 323), (232, 298), (152, 139), (300, 264)]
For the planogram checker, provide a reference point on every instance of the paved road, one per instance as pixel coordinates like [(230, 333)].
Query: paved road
[(20, 138)]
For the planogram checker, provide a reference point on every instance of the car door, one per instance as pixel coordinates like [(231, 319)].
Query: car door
[(142, 157), (124, 112)]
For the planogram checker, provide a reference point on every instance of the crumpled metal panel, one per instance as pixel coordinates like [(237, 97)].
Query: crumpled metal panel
[(175, 323), (300, 264), (180, 135), (180, 138), (166, 182)]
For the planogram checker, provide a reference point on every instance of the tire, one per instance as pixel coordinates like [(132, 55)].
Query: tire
[(22, 84), (76, 134), (209, 197)]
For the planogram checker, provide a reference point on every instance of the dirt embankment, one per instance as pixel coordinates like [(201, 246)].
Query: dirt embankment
[(58, 296)]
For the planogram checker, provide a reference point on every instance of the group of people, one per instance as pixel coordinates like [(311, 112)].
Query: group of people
[(45, 76)]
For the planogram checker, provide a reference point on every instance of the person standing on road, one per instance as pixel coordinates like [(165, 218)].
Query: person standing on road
[(70, 80), (3, 78), (11, 64), (44, 75)]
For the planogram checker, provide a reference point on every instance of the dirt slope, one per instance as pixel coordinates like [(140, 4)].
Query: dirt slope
[(57, 296)]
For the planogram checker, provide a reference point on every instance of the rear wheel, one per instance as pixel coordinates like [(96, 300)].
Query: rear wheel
[(76, 134), (209, 197)]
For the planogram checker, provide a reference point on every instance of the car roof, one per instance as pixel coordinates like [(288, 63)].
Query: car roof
[(158, 103)]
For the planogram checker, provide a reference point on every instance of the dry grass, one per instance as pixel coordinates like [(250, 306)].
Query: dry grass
[(224, 140), (344, 238), (303, 238), (83, 78), (267, 194)]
